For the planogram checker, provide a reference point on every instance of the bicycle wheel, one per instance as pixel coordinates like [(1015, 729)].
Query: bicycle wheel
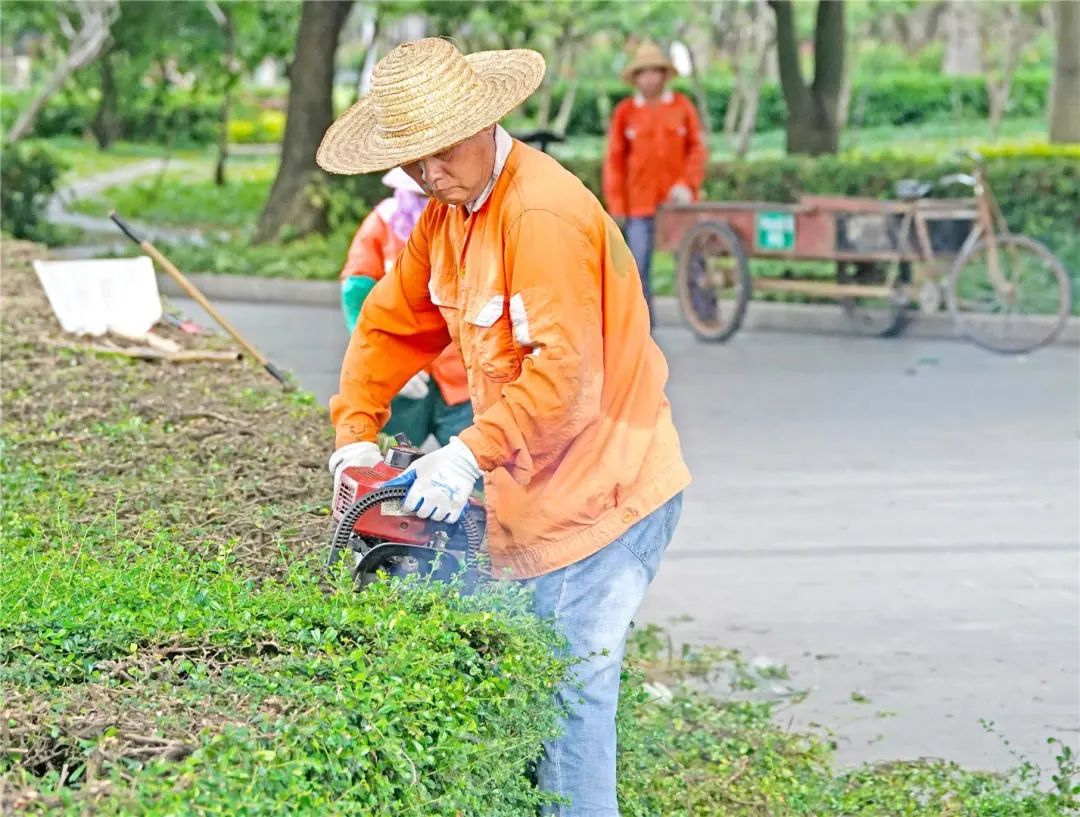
[(877, 317), (713, 280), (1023, 308)]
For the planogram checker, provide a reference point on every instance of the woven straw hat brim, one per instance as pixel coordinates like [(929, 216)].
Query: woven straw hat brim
[(354, 144)]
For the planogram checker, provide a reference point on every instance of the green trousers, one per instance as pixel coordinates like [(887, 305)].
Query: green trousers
[(414, 418), (429, 415)]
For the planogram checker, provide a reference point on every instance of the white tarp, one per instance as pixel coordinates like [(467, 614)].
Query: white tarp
[(102, 295)]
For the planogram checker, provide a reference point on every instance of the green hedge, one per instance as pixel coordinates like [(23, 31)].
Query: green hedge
[(889, 99), (176, 117), (1038, 187)]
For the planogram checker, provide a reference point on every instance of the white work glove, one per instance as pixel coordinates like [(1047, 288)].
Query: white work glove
[(361, 455), (441, 482), (417, 387), (680, 194)]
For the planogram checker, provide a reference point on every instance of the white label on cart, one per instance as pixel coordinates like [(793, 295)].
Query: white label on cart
[(775, 231)]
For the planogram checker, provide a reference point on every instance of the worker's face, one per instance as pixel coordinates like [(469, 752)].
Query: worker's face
[(460, 173), (650, 82)]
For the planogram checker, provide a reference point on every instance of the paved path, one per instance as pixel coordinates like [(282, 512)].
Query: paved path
[(894, 519)]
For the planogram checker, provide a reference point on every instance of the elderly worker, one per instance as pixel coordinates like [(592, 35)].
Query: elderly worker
[(517, 264), (655, 153)]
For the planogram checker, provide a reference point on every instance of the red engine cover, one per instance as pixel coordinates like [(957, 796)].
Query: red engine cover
[(387, 521)]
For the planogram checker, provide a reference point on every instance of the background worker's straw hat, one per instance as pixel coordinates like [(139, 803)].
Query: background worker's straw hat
[(648, 55), (425, 97)]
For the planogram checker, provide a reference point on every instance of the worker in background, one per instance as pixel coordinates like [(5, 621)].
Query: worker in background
[(655, 154), (517, 263), (420, 408)]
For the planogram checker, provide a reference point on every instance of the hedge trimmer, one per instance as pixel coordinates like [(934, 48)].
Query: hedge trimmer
[(383, 538)]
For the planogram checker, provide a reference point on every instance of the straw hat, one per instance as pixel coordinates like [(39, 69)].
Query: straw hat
[(648, 55), (398, 179), (425, 97)]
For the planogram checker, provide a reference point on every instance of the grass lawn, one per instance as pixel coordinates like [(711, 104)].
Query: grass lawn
[(188, 197), (84, 158)]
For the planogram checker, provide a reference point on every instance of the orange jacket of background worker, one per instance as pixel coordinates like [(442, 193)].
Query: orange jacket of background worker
[(653, 145), (655, 154), (372, 254)]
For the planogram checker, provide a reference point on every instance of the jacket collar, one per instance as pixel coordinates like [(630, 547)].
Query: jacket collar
[(503, 144), (665, 98)]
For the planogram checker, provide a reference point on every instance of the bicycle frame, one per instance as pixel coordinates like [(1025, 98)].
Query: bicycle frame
[(988, 224)]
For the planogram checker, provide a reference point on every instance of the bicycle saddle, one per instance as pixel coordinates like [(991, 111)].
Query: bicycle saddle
[(910, 189)]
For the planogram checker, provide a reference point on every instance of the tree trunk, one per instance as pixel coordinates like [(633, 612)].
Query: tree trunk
[(750, 77), (104, 124), (747, 121), (752, 96), (1065, 93), (228, 28), (963, 39), (310, 113), (223, 137), (1009, 34), (370, 41), (566, 108), (734, 108), (559, 56), (697, 83), (86, 44), (813, 112)]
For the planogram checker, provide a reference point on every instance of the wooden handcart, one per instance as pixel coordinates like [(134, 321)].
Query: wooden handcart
[(1006, 292)]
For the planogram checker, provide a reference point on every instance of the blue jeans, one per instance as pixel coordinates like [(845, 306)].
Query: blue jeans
[(639, 237), (591, 603)]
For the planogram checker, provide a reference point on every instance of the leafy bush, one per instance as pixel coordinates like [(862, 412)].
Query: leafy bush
[(29, 175), (173, 117), (415, 696), (267, 127), (888, 99)]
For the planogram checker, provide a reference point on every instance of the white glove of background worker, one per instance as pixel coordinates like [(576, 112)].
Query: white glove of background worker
[(361, 455), (417, 387), (441, 482), (680, 194)]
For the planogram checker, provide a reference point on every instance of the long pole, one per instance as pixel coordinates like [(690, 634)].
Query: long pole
[(198, 297)]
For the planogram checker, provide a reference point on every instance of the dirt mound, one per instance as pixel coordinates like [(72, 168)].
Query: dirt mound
[(246, 459)]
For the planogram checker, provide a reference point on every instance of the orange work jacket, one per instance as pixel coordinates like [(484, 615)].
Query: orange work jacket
[(373, 251), (539, 291), (651, 148)]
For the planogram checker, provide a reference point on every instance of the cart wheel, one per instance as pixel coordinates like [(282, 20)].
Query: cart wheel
[(1025, 309), (713, 280), (877, 316)]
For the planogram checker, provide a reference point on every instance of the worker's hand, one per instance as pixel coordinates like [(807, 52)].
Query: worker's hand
[(441, 482), (361, 455), (417, 388), (680, 194)]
